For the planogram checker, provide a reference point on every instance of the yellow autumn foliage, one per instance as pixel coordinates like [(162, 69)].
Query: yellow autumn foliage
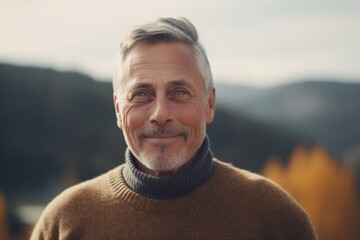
[(326, 190)]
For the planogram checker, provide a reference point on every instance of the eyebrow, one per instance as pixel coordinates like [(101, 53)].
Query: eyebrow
[(141, 85), (179, 82)]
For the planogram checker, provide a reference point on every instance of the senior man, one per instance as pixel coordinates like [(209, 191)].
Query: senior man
[(170, 187)]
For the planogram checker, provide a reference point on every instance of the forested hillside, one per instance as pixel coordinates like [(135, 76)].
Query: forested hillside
[(326, 111)]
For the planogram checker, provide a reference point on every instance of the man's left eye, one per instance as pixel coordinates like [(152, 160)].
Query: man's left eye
[(181, 92)]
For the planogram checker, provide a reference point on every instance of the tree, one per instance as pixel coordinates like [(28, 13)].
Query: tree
[(326, 190)]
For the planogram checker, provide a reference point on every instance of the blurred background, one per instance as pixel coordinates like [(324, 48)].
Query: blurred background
[(288, 98)]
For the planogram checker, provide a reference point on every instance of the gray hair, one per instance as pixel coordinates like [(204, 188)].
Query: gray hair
[(165, 30)]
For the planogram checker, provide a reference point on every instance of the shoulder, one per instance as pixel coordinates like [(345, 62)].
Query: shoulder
[(73, 204), (270, 204), (82, 192), (246, 179), (254, 186)]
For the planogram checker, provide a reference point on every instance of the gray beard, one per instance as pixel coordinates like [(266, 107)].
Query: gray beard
[(160, 161)]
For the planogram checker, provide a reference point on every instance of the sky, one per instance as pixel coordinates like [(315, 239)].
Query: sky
[(249, 42)]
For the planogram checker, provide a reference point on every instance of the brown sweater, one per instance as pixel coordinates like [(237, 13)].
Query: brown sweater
[(232, 204)]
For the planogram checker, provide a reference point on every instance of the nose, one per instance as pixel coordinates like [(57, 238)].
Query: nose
[(161, 112)]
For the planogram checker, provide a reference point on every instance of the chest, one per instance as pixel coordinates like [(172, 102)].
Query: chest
[(201, 222)]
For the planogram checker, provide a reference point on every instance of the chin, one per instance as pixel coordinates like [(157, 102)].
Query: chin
[(164, 162)]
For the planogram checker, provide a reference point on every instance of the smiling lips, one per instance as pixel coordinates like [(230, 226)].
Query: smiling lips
[(163, 137)]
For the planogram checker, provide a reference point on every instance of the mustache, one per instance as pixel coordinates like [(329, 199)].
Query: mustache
[(161, 129)]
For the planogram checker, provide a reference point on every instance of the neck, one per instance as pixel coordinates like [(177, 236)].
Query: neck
[(167, 186), (163, 173)]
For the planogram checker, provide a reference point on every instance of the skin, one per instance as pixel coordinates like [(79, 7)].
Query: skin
[(162, 107)]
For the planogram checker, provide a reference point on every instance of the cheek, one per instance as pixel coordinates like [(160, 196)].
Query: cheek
[(192, 114), (132, 118)]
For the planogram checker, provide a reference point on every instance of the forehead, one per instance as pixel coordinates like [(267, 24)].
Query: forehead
[(160, 59)]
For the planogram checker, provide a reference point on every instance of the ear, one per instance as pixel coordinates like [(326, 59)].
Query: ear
[(210, 112), (117, 111)]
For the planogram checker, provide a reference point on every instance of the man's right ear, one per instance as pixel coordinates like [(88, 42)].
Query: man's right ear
[(117, 111)]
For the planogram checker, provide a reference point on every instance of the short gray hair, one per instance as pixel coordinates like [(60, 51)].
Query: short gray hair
[(165, 30)]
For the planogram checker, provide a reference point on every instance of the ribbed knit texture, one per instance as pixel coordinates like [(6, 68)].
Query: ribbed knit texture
[(172, 187), (231, 204)]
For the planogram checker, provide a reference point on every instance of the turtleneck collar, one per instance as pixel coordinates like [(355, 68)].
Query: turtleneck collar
[(172, 187)]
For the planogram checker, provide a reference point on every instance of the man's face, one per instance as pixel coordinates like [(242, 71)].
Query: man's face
[(162, 106)]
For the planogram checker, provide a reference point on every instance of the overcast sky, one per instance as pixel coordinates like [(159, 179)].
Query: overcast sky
[(253, 42)]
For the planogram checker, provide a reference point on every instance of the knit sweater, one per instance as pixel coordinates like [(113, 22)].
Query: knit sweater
[(230, 204)]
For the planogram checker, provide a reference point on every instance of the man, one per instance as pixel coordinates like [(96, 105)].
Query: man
[(170, 186)]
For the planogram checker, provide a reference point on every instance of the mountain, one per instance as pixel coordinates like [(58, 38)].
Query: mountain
[(233, 96), (323, 111), (58, 128)]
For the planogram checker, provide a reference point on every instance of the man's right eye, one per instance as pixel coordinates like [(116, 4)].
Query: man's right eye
[(141, 96)]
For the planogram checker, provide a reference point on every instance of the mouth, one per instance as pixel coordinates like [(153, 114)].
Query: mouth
[(163, 135), (162, 138)]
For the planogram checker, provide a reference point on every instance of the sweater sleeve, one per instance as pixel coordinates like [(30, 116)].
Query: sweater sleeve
[(286, 219), (63, 217), (39, 232), (48, 226), (306, 231), (58, 217)]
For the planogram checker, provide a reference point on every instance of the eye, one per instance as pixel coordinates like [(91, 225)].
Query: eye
[(181, 92), (141, 96)]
